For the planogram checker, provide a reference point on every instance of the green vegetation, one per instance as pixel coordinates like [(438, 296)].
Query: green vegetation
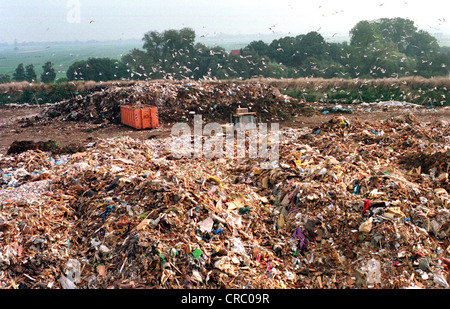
[(61, 54), (48, 75), (24, 92), (419, 90), (384, 49), (19, 74), (97, 69), (5, 78), (30, 74)]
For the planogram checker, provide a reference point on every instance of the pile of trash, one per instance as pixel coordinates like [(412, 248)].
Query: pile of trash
[(348, 205), (177, 102)]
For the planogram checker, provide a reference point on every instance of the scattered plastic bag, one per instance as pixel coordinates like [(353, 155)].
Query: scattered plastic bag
[(237, 245), (73, 270), (302, 241), (206, 225), (440, 279), (373, 271), (66, 283)]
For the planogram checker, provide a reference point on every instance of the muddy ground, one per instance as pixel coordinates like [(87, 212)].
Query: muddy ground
[(15, 125)]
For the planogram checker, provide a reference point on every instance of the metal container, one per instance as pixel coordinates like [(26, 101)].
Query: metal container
[(139, 116)]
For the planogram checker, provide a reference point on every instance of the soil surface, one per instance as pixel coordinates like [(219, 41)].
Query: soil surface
[(20, 123)]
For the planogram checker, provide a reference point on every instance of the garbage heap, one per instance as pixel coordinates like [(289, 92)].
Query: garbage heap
[(349, 205), (178, 101)]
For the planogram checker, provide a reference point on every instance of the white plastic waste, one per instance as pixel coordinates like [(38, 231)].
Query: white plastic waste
[(373, 271)]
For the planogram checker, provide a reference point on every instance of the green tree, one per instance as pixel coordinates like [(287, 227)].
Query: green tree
[(275, 70), (422, 44), (239, 67), (97, 69), (315, 67), (259, 48), (48, 75), (397, 30), (153, 43), (389, 62), (393, 47), (30, 74), (209, 62), (172, 51), (313, 45), (5, 78), (141, 66), (19, 73), (284, 50), (364, 33), (440, 64), (436, 65)]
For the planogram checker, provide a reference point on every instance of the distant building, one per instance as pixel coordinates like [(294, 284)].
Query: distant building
[(235, 52)]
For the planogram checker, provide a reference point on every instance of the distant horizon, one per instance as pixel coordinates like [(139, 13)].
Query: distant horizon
[(198, 38), (112, 20), (329, 37)]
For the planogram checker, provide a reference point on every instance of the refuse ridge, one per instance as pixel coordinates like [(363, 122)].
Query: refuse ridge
[(178, 102)]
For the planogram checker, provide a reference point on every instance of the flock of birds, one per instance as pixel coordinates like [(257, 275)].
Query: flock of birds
[(272, 28)]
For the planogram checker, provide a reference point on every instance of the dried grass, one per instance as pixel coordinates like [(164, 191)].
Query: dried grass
[(80, 86), (414, 82)]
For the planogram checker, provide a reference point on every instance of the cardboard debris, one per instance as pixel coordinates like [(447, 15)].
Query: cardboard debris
[(344, 208)]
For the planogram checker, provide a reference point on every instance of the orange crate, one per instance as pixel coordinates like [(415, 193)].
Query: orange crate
[(139, 116)]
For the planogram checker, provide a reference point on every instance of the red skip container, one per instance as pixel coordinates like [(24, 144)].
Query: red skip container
[(139, 116)]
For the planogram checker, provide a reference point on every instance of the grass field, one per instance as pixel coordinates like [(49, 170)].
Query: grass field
[(62, 55)]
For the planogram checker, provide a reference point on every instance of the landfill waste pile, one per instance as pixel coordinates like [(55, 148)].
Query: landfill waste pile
[(178, 101), (347, 205)]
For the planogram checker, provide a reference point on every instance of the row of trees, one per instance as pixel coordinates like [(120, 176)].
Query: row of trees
[(27, 73), (377, 49), (382, 48)]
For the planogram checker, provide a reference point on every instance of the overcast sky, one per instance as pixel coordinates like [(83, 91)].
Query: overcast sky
[(68, 20)]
